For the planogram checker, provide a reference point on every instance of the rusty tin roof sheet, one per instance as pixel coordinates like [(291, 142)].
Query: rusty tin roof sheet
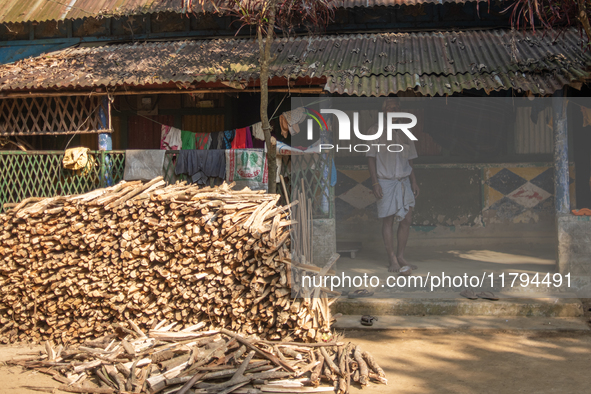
[(43, 10), (373, 64), (15, 11)]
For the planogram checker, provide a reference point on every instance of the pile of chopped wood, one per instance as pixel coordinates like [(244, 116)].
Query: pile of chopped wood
[(217, 361), (72, 266)]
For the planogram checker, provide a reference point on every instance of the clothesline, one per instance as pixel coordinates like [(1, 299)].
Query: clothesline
[(155, 121), (162, 124), (272, 116), (172, 138), (246, 137)]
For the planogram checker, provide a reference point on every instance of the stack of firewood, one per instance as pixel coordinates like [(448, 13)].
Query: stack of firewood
[(215, 361), (72, 266)]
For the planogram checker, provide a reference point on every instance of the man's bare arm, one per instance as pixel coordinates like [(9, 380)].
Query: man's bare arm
[(373, 173), (413, 181)]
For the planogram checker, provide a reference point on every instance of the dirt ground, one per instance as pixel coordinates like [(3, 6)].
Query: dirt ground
[(435, 362), (466, 362), (13, 378), (436, 260)]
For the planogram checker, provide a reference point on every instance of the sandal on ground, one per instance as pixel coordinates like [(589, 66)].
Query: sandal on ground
[(367, 320), (405, 270), (469, 294), (487, 295), (360, 293)]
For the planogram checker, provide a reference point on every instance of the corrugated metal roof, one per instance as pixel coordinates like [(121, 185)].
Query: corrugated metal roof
[(432, 85), (498, 59), (447, 53), (43, 10)]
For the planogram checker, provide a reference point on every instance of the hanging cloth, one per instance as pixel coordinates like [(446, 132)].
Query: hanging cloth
[(143, 164), (188, 139), (248, 168), (214, 140), (293, 118), (170, 138), (201, 165), (248, 138), (284, 126), (76, 158), (228, 138), (296, 116), (257, 131), (239, 141), (202, 141)]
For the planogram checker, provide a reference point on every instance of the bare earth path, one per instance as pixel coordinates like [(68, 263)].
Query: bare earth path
[(436, 362), (465, 362)]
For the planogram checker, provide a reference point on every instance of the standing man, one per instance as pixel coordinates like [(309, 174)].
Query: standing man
[(395, 188)]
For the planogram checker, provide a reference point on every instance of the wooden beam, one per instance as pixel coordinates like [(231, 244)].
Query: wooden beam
[(6, 95), (10, 133)]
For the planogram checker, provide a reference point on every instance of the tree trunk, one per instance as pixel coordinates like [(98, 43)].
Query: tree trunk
[(584, 19), (265, 59)]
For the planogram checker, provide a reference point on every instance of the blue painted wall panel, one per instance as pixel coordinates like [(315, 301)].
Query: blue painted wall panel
[(13, 53)]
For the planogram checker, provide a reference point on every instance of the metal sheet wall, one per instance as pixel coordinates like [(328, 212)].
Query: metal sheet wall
[(144, 133), (533, 137), (203, 123)]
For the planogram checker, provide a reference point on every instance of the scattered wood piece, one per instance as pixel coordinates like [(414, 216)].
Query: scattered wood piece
[(363, 371), (373, 365), (218, 365)]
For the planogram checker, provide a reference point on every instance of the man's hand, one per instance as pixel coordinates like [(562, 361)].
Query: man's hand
[(377, 191), (415, 189)]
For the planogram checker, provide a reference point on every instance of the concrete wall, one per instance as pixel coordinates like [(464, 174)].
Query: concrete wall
[(574, 245), (458, 203), (324, 240)]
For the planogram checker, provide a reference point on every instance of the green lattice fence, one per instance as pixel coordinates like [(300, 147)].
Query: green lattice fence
[(316, 171), (41, 174)]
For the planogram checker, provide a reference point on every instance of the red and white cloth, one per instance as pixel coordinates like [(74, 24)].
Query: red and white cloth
[(170, 138)]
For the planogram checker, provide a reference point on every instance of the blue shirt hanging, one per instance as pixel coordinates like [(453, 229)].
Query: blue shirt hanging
[(228, 138)]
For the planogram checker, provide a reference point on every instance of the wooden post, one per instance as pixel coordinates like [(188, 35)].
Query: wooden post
[(561, 177)]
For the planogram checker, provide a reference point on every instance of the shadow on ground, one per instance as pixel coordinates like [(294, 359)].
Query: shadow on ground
[(424, 362), (464, 362)]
